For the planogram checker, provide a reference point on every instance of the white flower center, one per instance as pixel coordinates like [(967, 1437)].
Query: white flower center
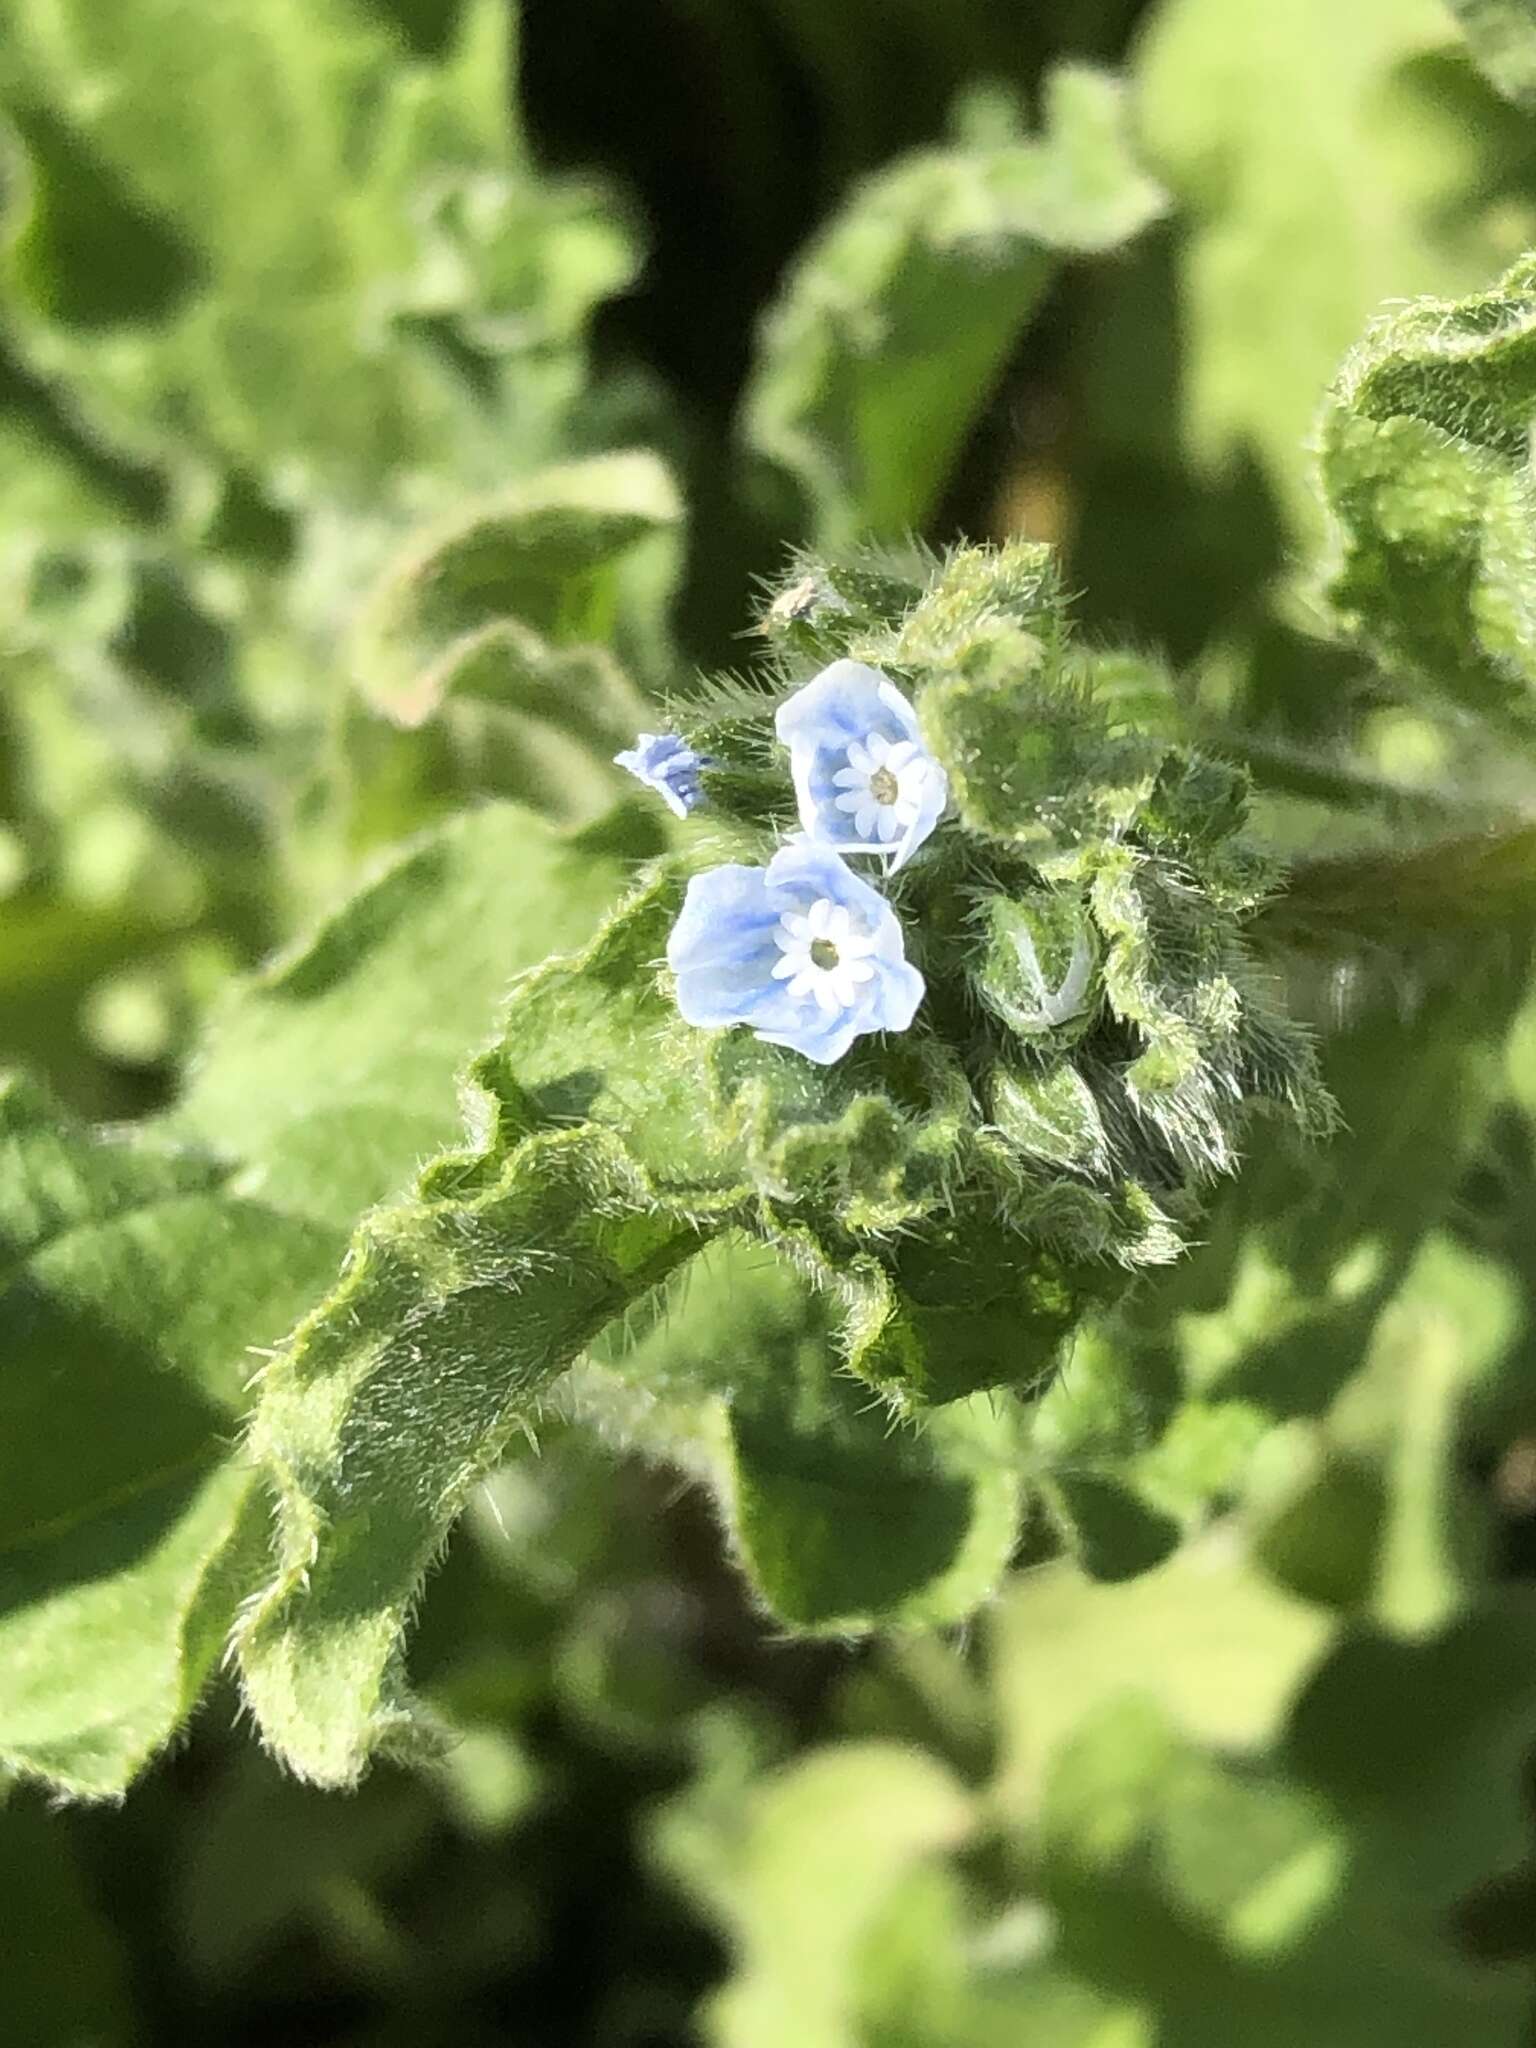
[(824, 954), (882, 787)]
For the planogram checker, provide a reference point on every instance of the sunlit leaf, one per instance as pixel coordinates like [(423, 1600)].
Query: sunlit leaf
[(894, 323), (1502, 35), (1301, 230)]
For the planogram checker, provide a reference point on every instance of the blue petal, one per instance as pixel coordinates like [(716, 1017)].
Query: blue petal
[(825, 1043), (930, 810), (669, 766), (810, 868), (843, 703), (722, 947), (899, 988)]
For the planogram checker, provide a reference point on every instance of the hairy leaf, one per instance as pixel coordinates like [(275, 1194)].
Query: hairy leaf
[(613, 1140), (841, 1520), (332, 1072), (447, 617), (134, 1288), (455, 1313), (1424, 466), (143, 1283)]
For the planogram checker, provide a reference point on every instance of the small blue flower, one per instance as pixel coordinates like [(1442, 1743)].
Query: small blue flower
[(864, 781), (668, 765), (802, 950)]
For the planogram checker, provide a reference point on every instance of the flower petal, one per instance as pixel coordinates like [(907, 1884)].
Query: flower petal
[(666, 764)]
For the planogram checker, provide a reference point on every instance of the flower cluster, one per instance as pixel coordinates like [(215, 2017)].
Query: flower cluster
[(804, 950), (950, 803)]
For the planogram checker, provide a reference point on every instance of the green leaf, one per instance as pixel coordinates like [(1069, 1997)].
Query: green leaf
[(1429, 1790), (861, 1816), (1323, 1884), (1321, 1299), (264, 1857), (455, 1313), (333, 1071), (145, 1282), (1502, 35), (88, 255), (430, 295), (1424, 469), (841, 1521), (1112, 1534), (1396, 183), (135, 1287), (1203, 1819), (1378, 1518), (447, 616), (843, 1527), (1220, 1652), (518, 719), (894, 324), (1409, 906)]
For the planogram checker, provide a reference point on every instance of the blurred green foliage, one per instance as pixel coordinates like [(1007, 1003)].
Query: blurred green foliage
[(397, 402)]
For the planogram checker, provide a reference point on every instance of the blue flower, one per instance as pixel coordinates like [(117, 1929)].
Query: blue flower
[(668, 765), (864, 781), (802, 950)]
